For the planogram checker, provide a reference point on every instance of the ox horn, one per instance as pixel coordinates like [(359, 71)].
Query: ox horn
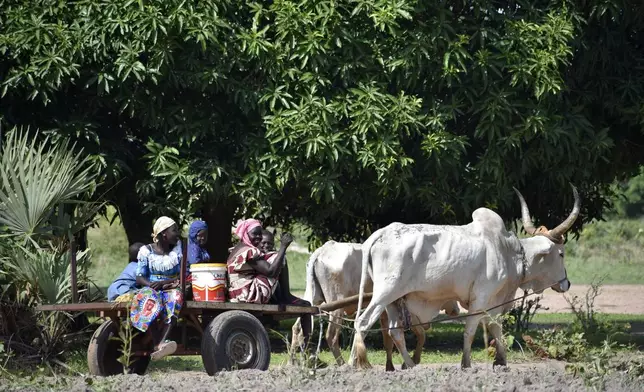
[(560, 230), (525, 214)]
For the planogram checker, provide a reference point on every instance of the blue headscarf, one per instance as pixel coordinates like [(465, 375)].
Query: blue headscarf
[(196, 253)]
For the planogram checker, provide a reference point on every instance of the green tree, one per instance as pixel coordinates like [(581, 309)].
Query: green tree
[(346, 115), (630, 202)]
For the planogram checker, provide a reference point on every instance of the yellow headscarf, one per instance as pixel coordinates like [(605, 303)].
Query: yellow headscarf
[(161, 224)]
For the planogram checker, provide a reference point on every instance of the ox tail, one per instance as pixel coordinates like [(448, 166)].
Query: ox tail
[(359, 351), (313, 294)]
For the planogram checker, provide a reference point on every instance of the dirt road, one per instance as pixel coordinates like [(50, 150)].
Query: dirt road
[(544, 376), (618, 299)]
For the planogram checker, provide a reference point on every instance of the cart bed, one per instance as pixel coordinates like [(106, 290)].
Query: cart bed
[(190, 307)]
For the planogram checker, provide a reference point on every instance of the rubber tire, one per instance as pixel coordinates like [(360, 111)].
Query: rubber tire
[(103, 353), (216, 334)]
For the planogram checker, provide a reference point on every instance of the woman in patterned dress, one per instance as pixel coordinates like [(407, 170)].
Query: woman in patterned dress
[(257, 277), (158, 268)]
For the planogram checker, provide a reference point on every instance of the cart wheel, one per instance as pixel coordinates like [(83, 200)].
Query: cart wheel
[(235, 340), (103, 352)]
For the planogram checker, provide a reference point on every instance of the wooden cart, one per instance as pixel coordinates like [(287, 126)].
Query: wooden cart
[(226, 335)]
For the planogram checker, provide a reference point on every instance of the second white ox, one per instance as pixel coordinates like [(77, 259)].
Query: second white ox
[(332, 274), (480, 264)]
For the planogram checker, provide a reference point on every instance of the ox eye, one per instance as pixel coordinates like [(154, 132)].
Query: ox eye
[(561, 253)]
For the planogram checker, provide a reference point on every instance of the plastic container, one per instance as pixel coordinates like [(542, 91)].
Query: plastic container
[(208, 282)]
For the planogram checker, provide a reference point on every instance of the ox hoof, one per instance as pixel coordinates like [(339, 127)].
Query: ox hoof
[(499, 365), (389, 367), (405, 366)]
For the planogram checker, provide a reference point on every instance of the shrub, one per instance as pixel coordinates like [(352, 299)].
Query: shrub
[(43, 204), (586, 320)]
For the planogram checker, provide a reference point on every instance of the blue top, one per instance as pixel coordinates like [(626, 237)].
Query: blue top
[(156, 267), (125, 283), (196, 254)]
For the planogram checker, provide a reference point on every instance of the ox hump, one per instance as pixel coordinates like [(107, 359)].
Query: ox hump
[(485, 220)]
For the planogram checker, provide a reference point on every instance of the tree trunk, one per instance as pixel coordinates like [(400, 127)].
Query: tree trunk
[(80, 239), (137, 225), (219, 218)]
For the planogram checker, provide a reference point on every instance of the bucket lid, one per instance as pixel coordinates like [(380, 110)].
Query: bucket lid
[(208, 265)]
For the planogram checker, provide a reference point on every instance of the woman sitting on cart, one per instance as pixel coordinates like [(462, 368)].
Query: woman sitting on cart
[(257, 277), (197, 239), (157, 272)]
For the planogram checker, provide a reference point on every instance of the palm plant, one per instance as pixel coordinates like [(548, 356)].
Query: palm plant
[(44, 187), (38, 178)]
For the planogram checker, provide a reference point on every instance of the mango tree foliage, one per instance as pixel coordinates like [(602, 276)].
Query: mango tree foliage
[(343, 114)]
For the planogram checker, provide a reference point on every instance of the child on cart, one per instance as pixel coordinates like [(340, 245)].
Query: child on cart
[(122, 289)]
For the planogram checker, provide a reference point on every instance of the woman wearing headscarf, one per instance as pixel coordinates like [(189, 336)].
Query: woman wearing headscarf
[(197, 238), (157, 272), (255, 276)]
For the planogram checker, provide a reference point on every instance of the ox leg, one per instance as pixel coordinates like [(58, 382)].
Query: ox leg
[(496, 330), (333, 335), (387, 341), (398, 335), (468, 336), (419, 331), (296, 340)]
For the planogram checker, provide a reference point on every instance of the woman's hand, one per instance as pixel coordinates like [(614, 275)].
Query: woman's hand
[(172, 285), (157, 285), (286, 240)]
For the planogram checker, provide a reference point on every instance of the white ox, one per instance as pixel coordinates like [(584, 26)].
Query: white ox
[(333, 273), (480, 264)]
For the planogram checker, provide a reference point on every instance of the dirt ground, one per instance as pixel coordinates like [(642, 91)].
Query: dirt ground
[(545, 376), (620, 299), (533, 376), (617, 299)]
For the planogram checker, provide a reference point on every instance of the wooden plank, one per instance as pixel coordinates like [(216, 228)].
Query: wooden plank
[(341, 303), (268, 309), (191, 306), (84, 307)]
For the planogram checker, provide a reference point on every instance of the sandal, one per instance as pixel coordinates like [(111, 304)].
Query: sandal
[(164, 349)]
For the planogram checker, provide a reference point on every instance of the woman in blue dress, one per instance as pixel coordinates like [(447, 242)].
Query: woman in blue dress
[(157, 272)]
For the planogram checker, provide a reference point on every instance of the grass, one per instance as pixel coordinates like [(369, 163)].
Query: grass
[(612, 249), (108, 244), (567, 318), (443, 345)]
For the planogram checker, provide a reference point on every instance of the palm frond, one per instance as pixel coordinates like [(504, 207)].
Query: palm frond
[(36, 176), (44, 276)]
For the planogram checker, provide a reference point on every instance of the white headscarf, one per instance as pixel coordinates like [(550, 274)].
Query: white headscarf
[(161, 224)]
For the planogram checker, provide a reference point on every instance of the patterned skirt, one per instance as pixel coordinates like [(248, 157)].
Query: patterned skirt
[(148, 304)]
